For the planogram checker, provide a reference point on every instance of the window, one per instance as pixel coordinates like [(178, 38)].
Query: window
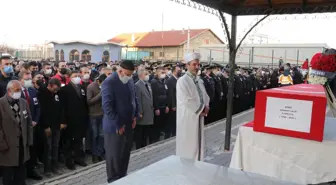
[(151, 54), (161, 54)]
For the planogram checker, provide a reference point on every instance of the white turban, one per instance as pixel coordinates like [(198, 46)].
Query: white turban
[(188, 57)]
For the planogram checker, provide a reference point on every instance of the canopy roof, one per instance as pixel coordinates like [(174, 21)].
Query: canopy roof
[(262, 7)]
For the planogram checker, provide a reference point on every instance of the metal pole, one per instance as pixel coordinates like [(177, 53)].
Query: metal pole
[(249, 64), (231, 82), (272, 57), (210, 57), (297, 57)]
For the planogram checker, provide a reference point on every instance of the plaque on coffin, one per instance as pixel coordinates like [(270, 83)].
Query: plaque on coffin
[(294, 111)]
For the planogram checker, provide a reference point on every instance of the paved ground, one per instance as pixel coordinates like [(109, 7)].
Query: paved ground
[(214, 138), (95, 174)]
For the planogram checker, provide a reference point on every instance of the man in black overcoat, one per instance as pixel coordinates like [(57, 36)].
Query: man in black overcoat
[(73, 98)]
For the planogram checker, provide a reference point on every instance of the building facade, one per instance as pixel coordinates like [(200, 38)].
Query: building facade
[(91, 52), (164, 45)]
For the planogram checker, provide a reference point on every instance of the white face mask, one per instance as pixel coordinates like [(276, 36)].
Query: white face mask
[(162, 76), (146, 78), (48, 72), (218, 73), (28, 83), (169, 72), (86, 76), (125, 79), (76, 80), (199, 73), (16, 95)]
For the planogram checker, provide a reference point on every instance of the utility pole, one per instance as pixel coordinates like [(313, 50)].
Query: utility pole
[(188, 41)]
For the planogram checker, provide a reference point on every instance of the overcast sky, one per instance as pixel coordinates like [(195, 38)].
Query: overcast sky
[(36, 21)]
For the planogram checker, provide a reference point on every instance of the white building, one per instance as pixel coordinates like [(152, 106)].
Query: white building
[(262, 54)]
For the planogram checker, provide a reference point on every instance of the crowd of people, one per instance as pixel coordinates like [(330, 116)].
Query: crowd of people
[(48, 108)]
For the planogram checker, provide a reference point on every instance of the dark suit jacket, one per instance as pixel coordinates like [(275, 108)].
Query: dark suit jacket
[(171, 83), (120, 104), (34, 105), (10, 132), (76, 113)]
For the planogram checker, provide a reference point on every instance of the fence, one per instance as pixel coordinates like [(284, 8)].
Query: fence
[(34, 54), (260, 56)]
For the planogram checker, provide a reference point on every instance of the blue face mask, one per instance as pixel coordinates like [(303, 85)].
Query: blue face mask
[(8, 69)]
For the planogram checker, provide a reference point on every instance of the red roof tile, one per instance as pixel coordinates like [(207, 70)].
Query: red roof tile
[(157, 38)]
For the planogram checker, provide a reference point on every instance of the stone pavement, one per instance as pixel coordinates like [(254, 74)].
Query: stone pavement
[(214, 139)]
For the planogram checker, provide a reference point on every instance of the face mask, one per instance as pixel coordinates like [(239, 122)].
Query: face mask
[(146, 78), (63, 71), (16, 95), (162, 76), (86, 76), (48, 72), (179, 74), (28, 83), (218, 73), (75, 80), (124, 79), (100, 87), (8, 69), (169, 72), (199, 73)]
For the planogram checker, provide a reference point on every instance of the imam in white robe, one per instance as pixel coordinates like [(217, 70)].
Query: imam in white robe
[(189, 107)]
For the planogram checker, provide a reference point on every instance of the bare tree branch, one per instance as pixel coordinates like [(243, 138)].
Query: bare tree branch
[(226, 27), (256, 24)]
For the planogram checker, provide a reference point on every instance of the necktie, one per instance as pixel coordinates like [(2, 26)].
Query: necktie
[(27, 96), (147, 88)]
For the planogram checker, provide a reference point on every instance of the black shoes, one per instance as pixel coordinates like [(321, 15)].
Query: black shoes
[(80, 163), (32, 174)]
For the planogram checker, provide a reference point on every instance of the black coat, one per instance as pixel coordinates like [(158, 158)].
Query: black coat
[(218, 87), (171, 83), (52, 113), (3, 83), (75, 110), (209, 85), (160, 92)]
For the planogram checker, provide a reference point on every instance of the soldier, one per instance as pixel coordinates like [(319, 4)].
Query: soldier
[(217, 103), (209, 85)]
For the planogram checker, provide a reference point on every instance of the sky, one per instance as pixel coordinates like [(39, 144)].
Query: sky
[(38, 21)]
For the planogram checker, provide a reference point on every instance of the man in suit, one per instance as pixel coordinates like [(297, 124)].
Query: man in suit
[(120, 113), (146, 110), (73, 99), (16, 134), (160, 102), (30, 95), (51, 122), (171, 83)]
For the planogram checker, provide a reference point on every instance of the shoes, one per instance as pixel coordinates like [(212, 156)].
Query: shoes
[(80, 163), (70, 165), (32, 174), (48, 174), (57, 171)]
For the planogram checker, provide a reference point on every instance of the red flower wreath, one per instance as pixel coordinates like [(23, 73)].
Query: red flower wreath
[(323, 62), (305, 65)]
